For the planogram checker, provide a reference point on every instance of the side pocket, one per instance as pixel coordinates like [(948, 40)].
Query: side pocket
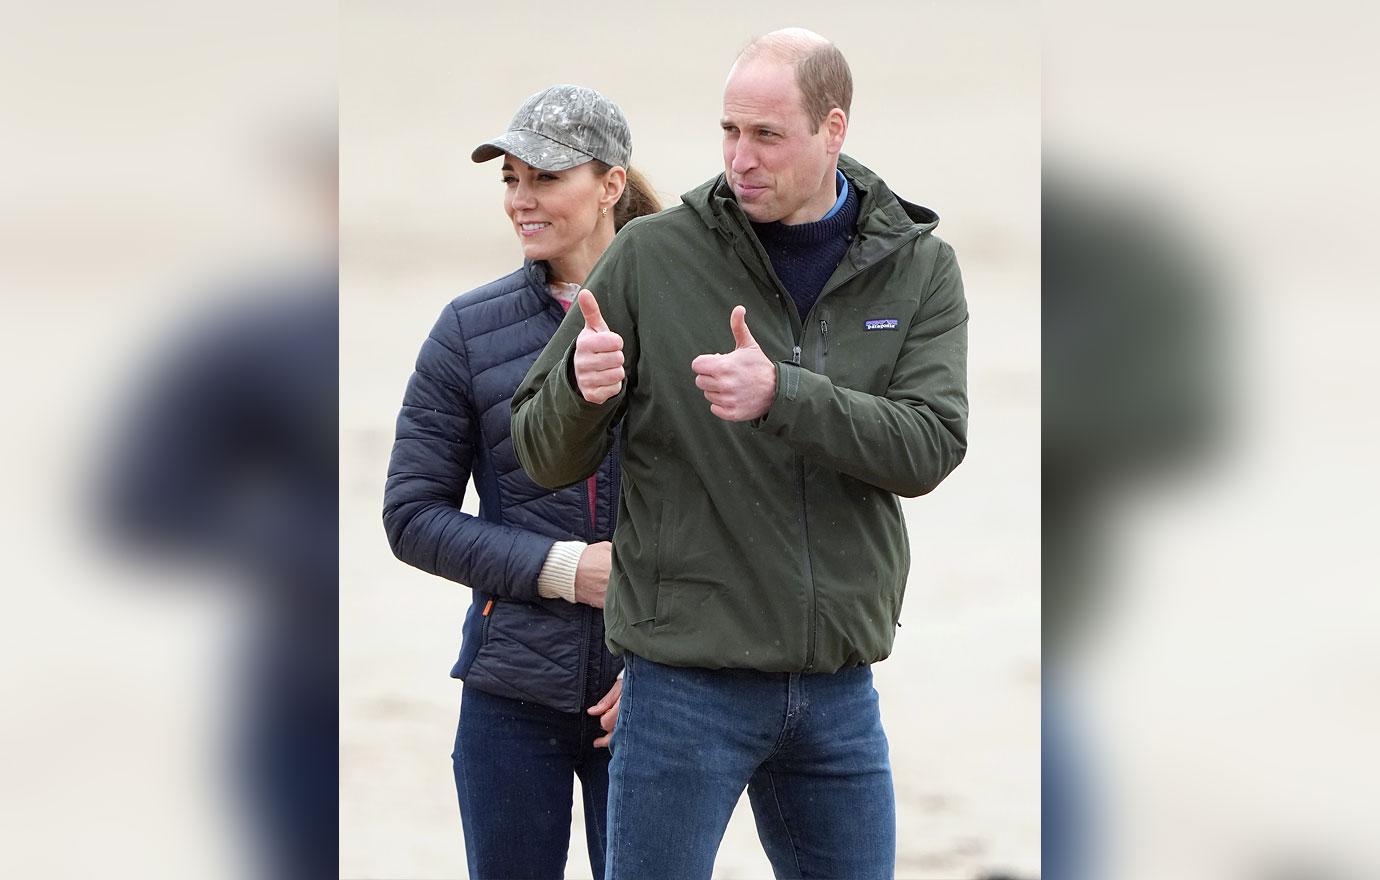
[(665, 538), (665, 562), (486, 616)]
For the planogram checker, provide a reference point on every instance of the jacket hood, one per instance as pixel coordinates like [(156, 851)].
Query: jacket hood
[(884, 218)]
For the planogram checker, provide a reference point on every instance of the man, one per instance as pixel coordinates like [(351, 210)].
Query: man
[(760, 555)]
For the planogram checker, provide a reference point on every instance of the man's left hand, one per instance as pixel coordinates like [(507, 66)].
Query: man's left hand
[(607, 710), (740, 385)]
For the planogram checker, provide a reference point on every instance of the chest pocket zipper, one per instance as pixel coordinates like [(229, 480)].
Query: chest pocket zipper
[(823, 341)]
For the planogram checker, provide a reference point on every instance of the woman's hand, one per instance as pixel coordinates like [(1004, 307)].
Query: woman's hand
[(607, 710), (592, 575)]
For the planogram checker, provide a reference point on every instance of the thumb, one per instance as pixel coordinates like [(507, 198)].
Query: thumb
[(742, 336), (589, 307)]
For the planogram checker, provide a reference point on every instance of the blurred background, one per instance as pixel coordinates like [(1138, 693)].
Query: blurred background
[(946, 110), (167, 268), (1209, 433)]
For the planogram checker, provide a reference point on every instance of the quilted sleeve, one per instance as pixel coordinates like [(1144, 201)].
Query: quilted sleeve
[(433, 452)]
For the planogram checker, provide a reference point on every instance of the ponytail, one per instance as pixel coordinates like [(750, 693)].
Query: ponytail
[(638, 200)]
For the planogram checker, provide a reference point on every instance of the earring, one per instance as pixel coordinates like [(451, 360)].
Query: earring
[(603, 212)]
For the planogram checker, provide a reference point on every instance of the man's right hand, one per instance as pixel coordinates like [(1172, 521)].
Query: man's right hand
[(598, 354), (592, 575)]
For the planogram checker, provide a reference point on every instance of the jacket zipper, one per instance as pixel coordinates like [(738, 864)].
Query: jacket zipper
[(589, 500), (788, 307), (586, 508), (823, 342), (791, 314), (787, 304), (591, 653), (585, 660), (821, 357), (810, 634)]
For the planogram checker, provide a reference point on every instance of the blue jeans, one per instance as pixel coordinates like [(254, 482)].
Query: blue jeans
[(515, 763), (809, 749)]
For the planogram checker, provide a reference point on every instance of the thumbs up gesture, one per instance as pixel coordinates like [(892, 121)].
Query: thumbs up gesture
[(740, 385), (598, 354)]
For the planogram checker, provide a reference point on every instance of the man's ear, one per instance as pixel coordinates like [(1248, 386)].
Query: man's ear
[(835, 129)]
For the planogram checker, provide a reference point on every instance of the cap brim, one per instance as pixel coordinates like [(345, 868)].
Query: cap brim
[(536, 150)]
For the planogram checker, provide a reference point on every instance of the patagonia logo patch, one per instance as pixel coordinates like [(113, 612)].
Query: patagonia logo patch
[(881, 324)]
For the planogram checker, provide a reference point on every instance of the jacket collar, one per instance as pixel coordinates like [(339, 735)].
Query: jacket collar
[(536, 272), (885, 221)]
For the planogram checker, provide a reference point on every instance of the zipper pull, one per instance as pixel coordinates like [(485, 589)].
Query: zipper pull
[(824, 335), (795, 355)]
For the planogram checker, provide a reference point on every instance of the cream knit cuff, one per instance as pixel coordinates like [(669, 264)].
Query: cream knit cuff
[(557, 578)]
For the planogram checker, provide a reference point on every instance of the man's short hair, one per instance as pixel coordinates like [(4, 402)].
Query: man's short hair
[(821, 71)]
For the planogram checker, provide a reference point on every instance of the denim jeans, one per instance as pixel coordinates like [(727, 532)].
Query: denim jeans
[(809, 749), (515, 763)]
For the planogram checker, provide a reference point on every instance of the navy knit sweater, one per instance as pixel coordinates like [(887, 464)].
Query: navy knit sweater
[(806, 254)]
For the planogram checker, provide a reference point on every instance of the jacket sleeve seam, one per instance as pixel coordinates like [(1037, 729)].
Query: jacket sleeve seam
[(944, 248), (465, 346), (432, 409)]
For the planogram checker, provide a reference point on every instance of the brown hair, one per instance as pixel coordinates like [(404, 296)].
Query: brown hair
[(825, 83), (638, 198), (821, 71)]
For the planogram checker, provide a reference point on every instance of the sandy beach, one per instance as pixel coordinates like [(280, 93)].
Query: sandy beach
[(947, 111)]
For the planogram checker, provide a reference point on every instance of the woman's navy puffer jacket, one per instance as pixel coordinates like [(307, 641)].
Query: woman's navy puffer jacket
[(454, 421)]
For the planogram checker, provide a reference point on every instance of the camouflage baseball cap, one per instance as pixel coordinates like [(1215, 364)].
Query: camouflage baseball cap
[(561, 127)]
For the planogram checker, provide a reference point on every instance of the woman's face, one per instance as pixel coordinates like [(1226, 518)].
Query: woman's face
[(554, 212)]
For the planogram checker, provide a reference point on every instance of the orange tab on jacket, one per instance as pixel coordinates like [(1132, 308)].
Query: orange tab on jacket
[(488, 606)]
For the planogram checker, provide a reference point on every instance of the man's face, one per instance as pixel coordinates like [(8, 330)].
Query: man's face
[(779, 165)]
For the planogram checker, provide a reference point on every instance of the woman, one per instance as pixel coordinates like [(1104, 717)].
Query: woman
[(541, 690)]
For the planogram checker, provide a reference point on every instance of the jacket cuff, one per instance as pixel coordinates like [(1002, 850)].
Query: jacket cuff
[(557, 577), (788, 377)]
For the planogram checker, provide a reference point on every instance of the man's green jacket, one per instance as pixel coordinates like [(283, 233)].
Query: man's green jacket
[(775, 545)]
